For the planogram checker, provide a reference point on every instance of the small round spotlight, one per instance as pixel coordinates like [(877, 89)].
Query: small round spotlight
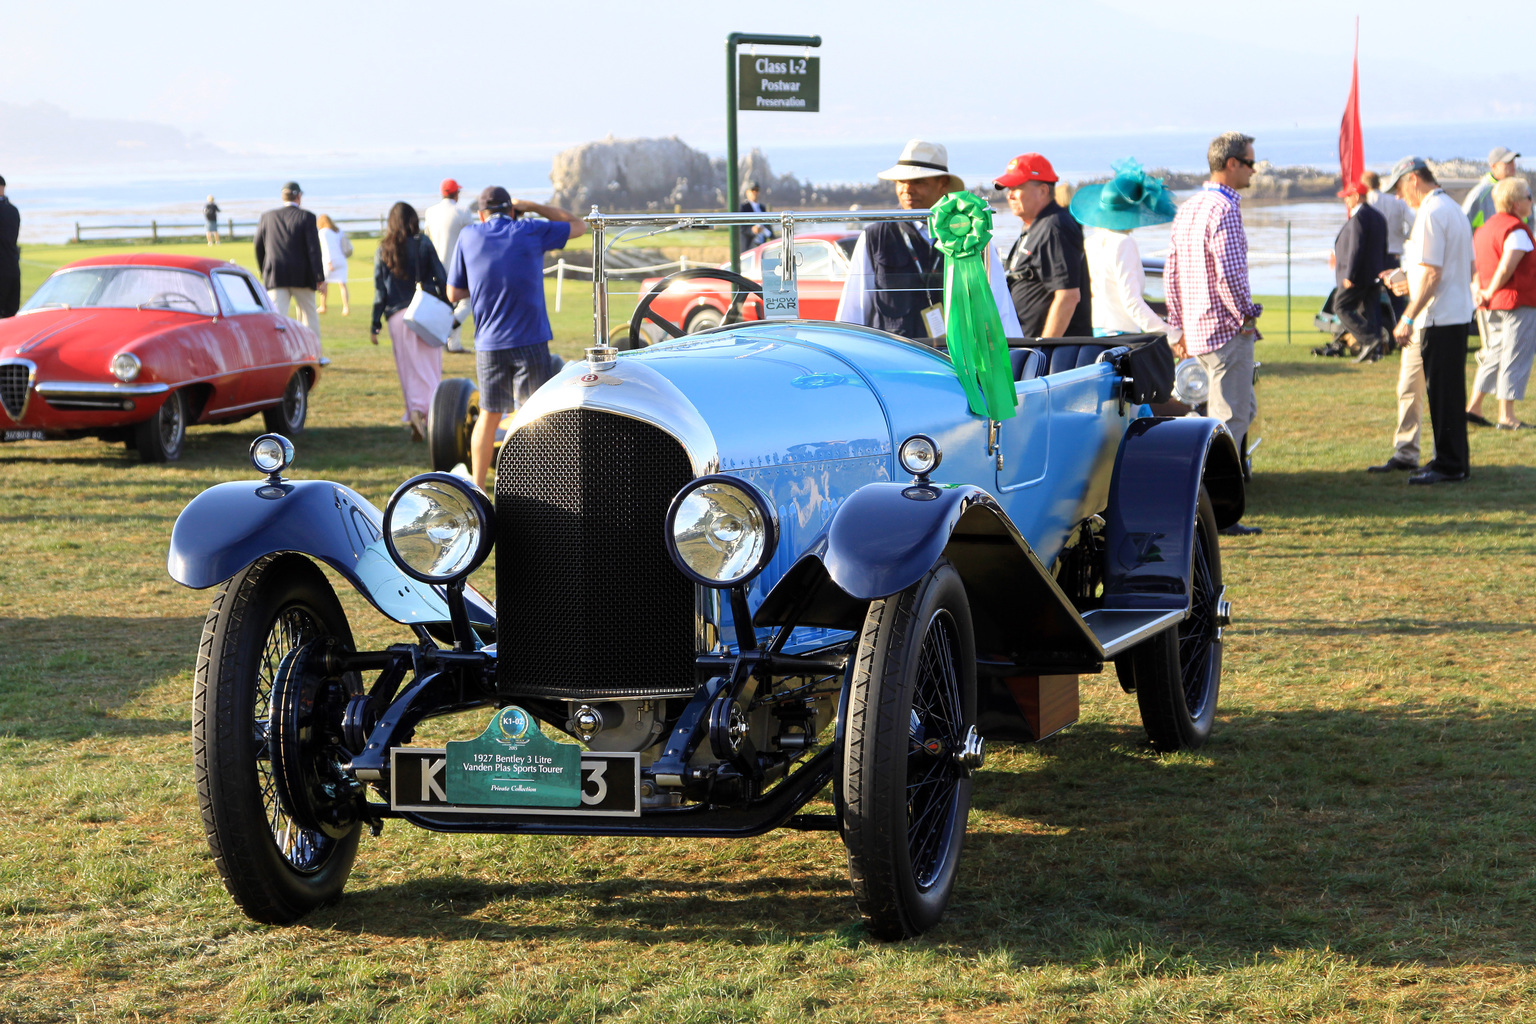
[(919, 455), (126, 366), (438, 527), (1191, 384), (721, 531), (271, 454)]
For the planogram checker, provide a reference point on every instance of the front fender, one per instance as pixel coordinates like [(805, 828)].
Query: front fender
[(1150, 520), (229, 526), (886, 536)]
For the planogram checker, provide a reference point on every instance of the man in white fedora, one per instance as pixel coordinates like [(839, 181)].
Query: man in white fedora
[(896, 280)]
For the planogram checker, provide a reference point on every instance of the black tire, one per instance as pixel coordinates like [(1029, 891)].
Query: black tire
[(450, 421), (905, 809), (705, 318), (276, 871), (162, 437), (1177, 674), (287, 417)]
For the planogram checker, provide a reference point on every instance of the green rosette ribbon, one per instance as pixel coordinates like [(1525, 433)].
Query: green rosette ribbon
[(961, 227)]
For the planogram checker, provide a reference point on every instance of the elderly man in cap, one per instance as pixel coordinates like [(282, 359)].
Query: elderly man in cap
[(1433, 329), (1478, 205), (498, 266), (1360, 255), (288, 252), (443, 222), (1047, 268), (1206, 281), (896, 281)]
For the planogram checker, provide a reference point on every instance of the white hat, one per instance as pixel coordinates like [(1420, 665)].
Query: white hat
[(921, 159)]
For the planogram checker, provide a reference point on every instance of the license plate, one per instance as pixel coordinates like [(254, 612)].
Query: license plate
[(610, 786), (22, 435)]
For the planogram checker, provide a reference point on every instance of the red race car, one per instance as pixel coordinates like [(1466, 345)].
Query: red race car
[(701, 303), (136, 348)]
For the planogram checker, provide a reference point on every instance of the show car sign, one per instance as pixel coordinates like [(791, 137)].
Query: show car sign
[(778, 82)]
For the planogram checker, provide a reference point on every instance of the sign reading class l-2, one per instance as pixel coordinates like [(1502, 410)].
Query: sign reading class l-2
[(778, 82)]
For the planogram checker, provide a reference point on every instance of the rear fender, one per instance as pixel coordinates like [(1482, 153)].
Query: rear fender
[(1150, 520), (886, 536), (229, 526)]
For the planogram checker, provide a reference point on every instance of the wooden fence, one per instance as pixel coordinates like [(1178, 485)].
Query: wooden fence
[(156, 230)]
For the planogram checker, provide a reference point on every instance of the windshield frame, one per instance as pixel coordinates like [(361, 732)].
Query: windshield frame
[(210, 294)]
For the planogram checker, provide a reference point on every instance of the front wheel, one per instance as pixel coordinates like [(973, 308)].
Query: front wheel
[(906, 789), (276, 870), (1177, 674), (287, 417), (162, 437)]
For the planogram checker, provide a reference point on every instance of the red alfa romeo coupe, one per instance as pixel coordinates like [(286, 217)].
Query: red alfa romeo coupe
[(136, 348)]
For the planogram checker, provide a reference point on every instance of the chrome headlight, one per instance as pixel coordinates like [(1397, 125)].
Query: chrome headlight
[(126, 366), (919, 455), (438, 527), (721, 531), (271, 454), (1191, 385)]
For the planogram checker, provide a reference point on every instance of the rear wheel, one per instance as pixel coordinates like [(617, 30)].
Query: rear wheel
[(287, 417), (450, 421), (1177, 674), (906, 789), (162, 437), (705, 318), (275, 869)]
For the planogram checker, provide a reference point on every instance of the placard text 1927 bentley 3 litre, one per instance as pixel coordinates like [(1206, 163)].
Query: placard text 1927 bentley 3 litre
[(736, 567)]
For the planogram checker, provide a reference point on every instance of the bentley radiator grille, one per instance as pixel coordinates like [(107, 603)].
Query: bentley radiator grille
[(15, 382), (588, 603)]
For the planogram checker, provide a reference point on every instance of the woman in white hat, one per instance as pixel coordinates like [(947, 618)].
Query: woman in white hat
[(1131, 199), (896, 279)]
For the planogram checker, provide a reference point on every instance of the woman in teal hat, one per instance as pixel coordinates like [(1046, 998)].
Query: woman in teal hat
[(1131, 199)]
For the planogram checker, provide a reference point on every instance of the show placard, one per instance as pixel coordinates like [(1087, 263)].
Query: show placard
[(781, 300), (513, 764), (610, 786), (778, 82)]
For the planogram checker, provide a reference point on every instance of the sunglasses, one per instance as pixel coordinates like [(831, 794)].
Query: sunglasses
[(1246, 163)]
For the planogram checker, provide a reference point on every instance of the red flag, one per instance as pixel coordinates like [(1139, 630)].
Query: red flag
[(1351, 145)]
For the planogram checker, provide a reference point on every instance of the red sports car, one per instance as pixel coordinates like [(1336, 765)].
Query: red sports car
[(136, 348), (699, 304)]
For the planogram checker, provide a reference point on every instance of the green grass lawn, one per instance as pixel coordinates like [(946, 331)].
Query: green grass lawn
[(1356, 843)]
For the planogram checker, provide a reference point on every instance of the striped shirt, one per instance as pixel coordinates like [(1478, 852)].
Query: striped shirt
[(1206, 278)]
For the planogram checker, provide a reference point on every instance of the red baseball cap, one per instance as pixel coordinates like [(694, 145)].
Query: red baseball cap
[(1026, 167), (449, 187)]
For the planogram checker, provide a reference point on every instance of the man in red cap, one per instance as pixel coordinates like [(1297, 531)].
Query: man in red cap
[(1047, 268), (444, 220), (1359, 257)]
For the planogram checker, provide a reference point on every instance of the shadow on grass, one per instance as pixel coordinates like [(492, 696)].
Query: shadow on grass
[(70, 677), (1388, 835), (1350, 491)]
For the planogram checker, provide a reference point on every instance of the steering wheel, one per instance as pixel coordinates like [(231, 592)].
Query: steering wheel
[(169, 299), (643, 312)]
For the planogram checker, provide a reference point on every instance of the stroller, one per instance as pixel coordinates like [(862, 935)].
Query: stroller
[(1345, 344)]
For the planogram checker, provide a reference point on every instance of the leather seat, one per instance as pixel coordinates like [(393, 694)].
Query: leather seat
[(1028, 363), (1070, 357)]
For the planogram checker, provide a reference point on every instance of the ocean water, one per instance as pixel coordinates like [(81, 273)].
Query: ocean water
[(52, 206)]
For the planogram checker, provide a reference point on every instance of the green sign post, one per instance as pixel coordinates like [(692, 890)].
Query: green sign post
[(805, 77), (777, 82)]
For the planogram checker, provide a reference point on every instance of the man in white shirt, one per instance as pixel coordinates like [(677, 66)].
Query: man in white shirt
[(444, 220), (895, 277), (1433, 329)]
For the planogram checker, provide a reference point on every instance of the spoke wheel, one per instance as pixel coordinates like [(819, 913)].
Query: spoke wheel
[(906, 792), (1177, 674), (288, 416), (162, 437), (276, 869)]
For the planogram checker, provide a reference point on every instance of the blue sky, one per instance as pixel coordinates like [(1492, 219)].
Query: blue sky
[(516, 79)]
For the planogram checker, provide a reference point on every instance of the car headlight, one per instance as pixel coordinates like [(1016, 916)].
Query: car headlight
[(126, 366), (438, 527), (1191, 385), (919, 455), (721, 531), (271, 454)]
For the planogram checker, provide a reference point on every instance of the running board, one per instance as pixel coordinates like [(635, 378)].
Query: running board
[(1119, 629)]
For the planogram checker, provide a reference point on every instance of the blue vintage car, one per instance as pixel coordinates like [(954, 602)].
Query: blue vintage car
[(730, 569)]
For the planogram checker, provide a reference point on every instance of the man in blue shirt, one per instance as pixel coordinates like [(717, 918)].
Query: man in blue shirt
[(498, 265)]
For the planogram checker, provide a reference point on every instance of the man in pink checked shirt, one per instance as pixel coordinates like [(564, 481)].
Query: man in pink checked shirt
[(1206, 283)]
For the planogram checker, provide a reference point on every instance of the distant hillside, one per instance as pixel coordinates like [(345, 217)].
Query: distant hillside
[(40, 135)]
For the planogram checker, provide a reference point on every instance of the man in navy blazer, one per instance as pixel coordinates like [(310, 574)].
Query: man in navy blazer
[(288, 252), (1360, 255)]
